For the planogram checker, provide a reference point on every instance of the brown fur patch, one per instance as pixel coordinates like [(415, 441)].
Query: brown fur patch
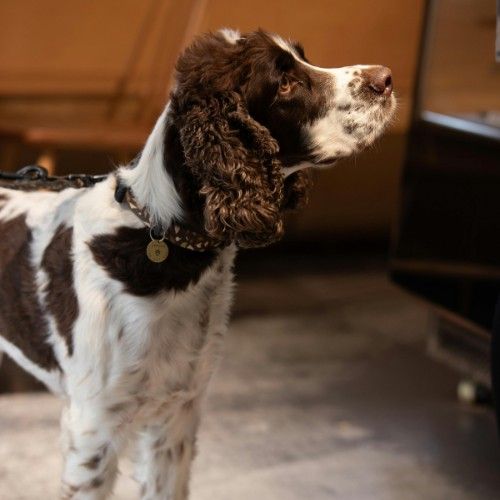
[(22, 321), (239, 179), (61, 297), (123, 256), (297, 187)]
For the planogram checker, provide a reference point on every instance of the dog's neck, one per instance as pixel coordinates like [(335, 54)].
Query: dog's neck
[(151, 183)]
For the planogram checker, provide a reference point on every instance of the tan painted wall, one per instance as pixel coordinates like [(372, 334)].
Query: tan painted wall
[(83, 46)]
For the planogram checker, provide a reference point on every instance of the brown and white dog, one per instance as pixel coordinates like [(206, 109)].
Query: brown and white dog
[(129, 342)]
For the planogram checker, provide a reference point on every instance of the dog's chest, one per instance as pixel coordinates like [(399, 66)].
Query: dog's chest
[(163, 363), (161, 384)]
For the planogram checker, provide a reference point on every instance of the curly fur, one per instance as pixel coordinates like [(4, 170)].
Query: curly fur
[(232, 156), (297, 188)]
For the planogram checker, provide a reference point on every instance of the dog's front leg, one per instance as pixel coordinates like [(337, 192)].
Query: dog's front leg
[(165, 454), (90, 457)]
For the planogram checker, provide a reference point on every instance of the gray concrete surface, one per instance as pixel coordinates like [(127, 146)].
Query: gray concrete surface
[(325, 392)]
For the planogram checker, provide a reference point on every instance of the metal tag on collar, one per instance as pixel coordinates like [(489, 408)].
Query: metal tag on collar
[(157, 249)]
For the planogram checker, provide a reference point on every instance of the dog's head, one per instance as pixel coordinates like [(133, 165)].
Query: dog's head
[(249, 112)]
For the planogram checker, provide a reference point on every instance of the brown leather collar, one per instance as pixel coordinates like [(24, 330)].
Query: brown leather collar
[(175, 234)]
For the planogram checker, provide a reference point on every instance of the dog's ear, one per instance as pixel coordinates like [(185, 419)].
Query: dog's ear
[(234, 160)]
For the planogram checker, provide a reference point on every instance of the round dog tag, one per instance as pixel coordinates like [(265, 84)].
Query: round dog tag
[(157, 251)]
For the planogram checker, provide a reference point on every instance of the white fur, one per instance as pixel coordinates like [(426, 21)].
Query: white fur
[(232, 36), (150, 183), (328, 138)]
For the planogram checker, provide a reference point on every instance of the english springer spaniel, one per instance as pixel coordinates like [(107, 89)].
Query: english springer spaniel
[(117, 296)]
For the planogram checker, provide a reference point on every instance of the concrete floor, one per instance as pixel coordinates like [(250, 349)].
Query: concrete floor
[(325, 392)]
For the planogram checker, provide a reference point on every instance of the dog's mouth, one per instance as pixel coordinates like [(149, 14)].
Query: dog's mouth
[(339, 136), (326, 162)]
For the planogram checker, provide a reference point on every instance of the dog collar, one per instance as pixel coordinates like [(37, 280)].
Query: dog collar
[(157, 249)]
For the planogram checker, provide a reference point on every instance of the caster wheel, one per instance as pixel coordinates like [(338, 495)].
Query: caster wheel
[(471, 392)]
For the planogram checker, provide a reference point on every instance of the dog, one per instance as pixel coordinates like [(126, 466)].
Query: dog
[(117, 296)]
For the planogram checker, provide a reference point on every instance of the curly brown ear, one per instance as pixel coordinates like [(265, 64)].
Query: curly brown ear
[(233, 158), (297, 187)]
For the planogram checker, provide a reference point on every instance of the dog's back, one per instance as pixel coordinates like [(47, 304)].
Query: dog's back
[(35, 248)]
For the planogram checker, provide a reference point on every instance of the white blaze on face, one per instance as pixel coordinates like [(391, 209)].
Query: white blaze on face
[(353, 118)]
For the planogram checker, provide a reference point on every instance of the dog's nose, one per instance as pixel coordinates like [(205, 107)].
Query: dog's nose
[(379, 80)]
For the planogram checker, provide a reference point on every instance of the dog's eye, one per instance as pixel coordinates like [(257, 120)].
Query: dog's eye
[(286, 85)]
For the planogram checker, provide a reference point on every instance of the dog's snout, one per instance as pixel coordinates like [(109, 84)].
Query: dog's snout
[(379, 80)]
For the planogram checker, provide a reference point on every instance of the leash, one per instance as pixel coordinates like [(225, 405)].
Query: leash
[(34, 177)]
